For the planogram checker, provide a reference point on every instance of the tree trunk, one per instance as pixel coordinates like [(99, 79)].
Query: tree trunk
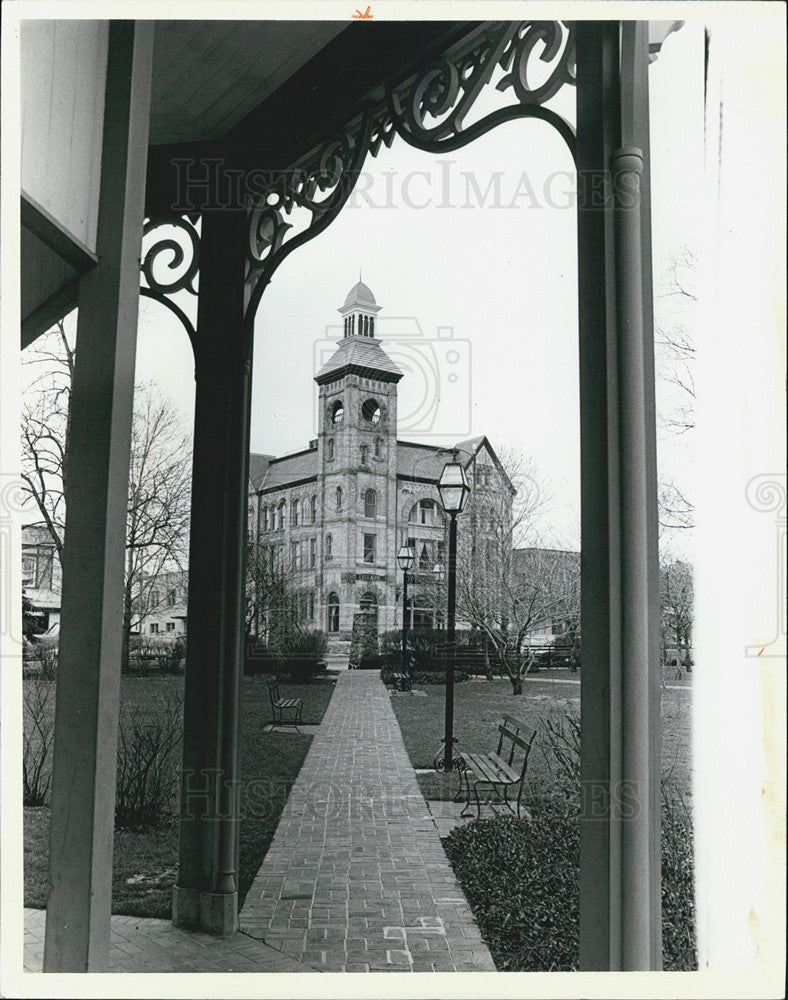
[(124, 650)]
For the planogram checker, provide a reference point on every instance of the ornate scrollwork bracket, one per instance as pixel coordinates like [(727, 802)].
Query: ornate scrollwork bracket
[(430, 109), (427, 110), (319, 184), (171, 262)]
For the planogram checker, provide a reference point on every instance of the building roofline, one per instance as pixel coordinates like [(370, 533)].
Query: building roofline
[(360, 370), (287, 486)]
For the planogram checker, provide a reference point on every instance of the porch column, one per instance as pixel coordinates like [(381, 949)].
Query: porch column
[(206, 894), (88, 688), (620, 904)]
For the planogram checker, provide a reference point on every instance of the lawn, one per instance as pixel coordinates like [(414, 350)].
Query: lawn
[(521, 876), (145, 863), (479, 704)]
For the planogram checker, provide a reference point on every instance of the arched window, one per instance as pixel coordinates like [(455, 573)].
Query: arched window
[(370, 411), (364, 453), (372, 326), (426, 512), (330, 449), (370, 504), (333, 613), (295, 512), (280, 515), (337, 412), (313, 510), (338, 496), (378, 447), (266, 518), (329, 547)]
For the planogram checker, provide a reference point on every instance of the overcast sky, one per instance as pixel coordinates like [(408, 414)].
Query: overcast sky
[(479, 303)]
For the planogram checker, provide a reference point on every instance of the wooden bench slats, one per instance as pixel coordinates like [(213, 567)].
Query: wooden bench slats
[(494, 770), (281, 705)]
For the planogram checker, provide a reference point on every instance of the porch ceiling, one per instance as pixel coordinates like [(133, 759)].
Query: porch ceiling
[(207, 75), (258, 94)]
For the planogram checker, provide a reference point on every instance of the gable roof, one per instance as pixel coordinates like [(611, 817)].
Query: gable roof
[(288, 470), (258, 466)]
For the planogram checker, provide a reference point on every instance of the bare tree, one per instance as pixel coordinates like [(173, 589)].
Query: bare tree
[(677, 599), (157, 525), (675, 347), (507, 590), (271, 604), (159, 474), (45, 422)]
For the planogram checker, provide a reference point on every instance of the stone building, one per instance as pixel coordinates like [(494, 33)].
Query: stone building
[(332, 517)]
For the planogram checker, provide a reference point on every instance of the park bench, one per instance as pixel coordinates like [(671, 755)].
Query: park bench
[(499, 772), (281, 706)]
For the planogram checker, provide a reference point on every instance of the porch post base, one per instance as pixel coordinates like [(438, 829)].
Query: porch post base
[(210, 912)]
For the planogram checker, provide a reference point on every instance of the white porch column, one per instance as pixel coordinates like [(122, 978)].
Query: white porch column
[(88, 688)]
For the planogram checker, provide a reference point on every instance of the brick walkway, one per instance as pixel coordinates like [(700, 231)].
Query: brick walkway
[(142, 945), (356, 879)]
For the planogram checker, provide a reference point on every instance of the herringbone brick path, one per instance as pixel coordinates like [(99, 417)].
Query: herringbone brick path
[(356, 878)]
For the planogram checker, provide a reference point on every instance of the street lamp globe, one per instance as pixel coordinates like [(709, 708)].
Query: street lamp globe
[(405, 557), (453, 488)]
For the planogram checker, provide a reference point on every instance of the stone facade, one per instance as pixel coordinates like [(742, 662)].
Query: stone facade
[(333, 516)]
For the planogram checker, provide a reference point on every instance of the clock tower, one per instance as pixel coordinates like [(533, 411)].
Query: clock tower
[(357, 471)]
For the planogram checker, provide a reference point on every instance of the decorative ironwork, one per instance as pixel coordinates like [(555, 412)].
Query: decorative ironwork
[(169, 253), (430, 109), (321, 184)]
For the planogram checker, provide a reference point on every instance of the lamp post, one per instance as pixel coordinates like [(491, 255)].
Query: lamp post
[(405, 558), (454, 492)]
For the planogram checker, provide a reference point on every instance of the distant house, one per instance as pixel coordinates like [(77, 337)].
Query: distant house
[(160, 611), (41, 574)]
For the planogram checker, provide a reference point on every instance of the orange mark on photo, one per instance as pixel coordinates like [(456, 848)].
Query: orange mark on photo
[(366, 16)]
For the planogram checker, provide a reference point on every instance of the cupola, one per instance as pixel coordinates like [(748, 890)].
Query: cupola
[(359, 311)]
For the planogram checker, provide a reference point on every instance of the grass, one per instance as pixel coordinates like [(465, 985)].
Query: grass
[(521, 877), (478, 705), (145, 863)]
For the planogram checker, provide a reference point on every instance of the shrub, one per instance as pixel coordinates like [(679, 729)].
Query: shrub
[(148, 765), (302, 655), (375, 661), (170, 655), (521, 880), (679, 948), (437, 676), (258, 659), (37, 739)]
